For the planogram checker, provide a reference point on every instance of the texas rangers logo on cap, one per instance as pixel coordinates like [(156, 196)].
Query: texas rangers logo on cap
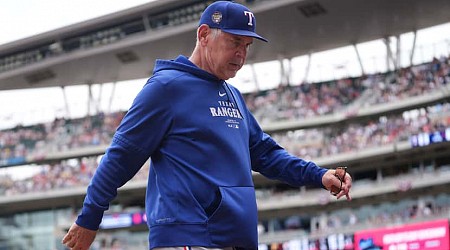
[(232, 18), (216, 17)]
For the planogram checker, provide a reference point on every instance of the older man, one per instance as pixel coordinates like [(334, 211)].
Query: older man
[(203, 144)]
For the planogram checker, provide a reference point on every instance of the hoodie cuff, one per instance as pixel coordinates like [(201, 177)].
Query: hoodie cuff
[(90, 218)]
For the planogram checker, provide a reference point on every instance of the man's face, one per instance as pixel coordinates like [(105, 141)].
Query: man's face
[(226, 53)]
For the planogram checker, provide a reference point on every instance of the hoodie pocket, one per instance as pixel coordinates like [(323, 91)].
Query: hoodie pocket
[(234, 222)]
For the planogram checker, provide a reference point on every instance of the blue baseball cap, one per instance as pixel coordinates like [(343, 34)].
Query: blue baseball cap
[(232, 18)]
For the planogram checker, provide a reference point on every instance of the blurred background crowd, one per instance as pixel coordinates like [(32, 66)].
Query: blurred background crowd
[(21, 144)]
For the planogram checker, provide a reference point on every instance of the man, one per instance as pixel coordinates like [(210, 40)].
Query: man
[(203, 144)]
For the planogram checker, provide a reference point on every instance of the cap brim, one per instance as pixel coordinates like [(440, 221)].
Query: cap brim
[(245, 33)]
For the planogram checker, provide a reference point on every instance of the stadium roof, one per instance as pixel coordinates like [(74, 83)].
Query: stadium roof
[(294, 28)]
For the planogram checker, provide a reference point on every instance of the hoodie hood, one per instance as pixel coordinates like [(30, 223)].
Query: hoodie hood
[(182, 63)]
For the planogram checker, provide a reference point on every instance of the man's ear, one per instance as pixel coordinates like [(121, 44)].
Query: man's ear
[(203, 34)]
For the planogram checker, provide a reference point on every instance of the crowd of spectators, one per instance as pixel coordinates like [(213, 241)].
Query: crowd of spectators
[(26, 144), (313, 143), (63, 135), (64, 174), (380, 131), (413, 81), (56, 176), (307, 100)]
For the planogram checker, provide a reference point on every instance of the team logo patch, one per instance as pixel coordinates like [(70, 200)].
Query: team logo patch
[(216, 17)]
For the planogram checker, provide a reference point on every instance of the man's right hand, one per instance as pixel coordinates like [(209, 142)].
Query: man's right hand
[(79, 238)]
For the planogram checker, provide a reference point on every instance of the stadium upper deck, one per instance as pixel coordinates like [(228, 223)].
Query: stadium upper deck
[(124, 45)]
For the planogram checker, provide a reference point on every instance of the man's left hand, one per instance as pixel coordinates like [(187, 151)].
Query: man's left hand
[(332, 182)]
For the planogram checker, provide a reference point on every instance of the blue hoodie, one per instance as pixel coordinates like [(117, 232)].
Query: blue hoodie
[(204, 144)]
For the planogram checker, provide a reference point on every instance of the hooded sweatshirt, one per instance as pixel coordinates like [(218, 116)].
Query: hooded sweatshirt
[(203, 144)]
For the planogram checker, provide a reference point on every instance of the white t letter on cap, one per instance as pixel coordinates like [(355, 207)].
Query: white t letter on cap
[(250, 17)]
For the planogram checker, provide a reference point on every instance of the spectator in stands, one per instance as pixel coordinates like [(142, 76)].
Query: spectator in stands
[(203, 143)]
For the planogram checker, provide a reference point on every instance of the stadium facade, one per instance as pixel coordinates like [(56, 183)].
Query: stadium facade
[(391, 129)]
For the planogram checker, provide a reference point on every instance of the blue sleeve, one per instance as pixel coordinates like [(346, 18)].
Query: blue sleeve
[(274, 162), (139, 134)]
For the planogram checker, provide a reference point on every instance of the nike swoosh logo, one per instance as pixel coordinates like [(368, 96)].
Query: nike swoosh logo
[(222, 94)]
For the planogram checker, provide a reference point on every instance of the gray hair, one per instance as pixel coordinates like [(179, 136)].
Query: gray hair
[(214, 33)]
